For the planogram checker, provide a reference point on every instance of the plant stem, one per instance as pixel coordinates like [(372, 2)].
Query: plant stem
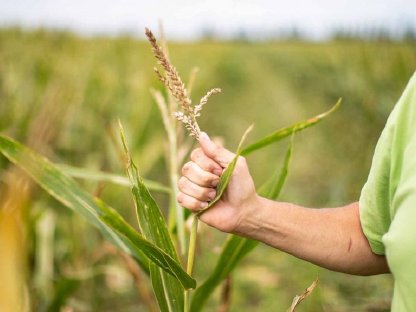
[(191, 257), (176, 214), (173, 159)]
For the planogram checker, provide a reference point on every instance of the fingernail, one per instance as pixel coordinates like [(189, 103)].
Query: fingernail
[(204, 205), (212, 194), (218, 172), (215, 183)]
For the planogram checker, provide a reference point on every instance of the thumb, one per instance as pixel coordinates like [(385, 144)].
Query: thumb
[(221, 155)]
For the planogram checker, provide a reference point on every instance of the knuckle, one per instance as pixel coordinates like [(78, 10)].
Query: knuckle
[(188, 202), (196, 153), (211, 166), (182, 183), (202, 192), (179, 197), (217, 150), (186, 167), (206, 179)]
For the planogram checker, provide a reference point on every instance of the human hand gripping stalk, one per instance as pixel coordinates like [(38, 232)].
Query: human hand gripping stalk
[(200, 177), (216, 185)]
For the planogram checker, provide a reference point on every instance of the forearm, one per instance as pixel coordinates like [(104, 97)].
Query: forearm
[(329, 237)]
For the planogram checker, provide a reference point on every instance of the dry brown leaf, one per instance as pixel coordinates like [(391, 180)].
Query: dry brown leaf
[(299, 298)]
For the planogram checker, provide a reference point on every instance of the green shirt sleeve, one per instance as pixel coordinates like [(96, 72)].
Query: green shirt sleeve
[(377, 195), (374, 200)]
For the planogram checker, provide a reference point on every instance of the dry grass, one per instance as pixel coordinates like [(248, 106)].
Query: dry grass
[(13, 292)]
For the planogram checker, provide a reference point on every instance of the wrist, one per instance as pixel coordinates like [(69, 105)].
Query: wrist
[(251, 216)]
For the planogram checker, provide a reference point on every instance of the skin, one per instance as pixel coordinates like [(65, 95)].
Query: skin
[(329, 237)]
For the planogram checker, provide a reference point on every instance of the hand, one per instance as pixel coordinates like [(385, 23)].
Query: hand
[(201, 176)]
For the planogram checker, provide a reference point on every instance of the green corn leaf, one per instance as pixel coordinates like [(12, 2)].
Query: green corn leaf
[(285, 132), (159, 288), (272, 188), (272, 138), (237, 247), (106, 219), (96, 175), (226, 175), (160, 284), (62, 188), (154, 228), (135, 241)]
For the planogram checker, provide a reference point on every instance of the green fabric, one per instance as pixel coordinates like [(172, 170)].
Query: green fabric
[(388, 199)]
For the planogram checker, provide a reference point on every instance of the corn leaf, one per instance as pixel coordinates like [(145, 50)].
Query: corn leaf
[(136, 242), (237, 247), (234, 250), (272, 188), (269, 139), (159, 288), (96, 175), (106, 219), (285, 132), (62, 188), (299, 298), (168, 291), (160, 282), (226, 175)]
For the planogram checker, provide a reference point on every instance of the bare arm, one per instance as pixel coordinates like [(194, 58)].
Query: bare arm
[(329, 237)]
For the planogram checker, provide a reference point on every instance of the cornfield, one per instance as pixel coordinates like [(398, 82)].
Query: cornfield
[(61, 97)]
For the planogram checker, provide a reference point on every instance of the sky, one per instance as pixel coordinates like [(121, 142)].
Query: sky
[(187, 19)]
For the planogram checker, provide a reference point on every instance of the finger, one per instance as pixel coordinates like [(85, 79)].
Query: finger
[(201, 193), (214, 151), (199, 176), (206, 163), (190, 202)]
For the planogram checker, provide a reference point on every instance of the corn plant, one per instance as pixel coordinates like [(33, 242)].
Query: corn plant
[(159, 246)]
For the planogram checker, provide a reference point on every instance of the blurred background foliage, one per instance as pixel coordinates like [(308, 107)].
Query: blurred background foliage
[(61, 95)]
